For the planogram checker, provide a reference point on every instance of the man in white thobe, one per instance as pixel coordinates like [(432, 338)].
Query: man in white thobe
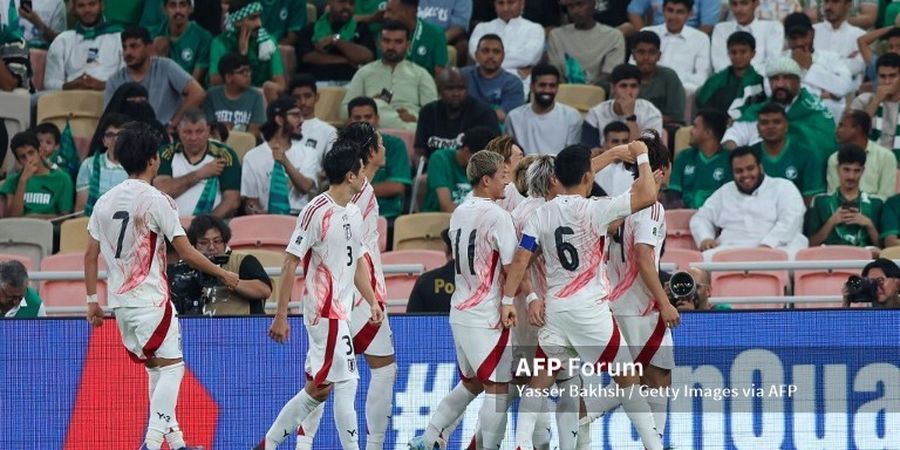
[(769, 35)]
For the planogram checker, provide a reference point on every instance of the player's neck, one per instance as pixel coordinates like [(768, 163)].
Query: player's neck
[(481, 193), (577, 190), (369, 171), (146, 177), (340, 193)]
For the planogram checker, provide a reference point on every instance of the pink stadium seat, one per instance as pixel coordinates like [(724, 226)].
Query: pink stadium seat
[(82, 145), (270, 232), (682, 257), (755, 283), (825, 282), (25, 260), (408, 137), (38, 65), (68, 292), (678, 229), (382, 233), (399, 286)]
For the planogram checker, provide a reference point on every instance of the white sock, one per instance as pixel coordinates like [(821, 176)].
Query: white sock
[(449, 411), (345, 413), (492, 417), (584, 436), (596, 406), (567, 413), (293, 412), (541, 435), (162, 404), (659, 407), (639, 412), (530, 409), (306, 432), (379, 405)]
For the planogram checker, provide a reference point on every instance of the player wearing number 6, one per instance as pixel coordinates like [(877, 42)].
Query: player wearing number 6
[(328, 239), (129, 226)]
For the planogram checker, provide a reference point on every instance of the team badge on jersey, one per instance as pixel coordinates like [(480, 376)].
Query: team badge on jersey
[(790, 173), (283, 14), (422, 50), (311, 143), (347, 233), (187, 54), (718, 174), (688, 170)]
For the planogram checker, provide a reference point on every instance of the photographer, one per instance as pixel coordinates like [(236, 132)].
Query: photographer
[(695, 297), (195, 293), (878, 285)]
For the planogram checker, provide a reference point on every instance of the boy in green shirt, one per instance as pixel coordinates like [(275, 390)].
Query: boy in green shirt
[(284, 19), (427, 42), (36, 191), (729, 89), (183, 40), (704, 167), (17, 300), (786, 158), (448, 184), (848, 216)]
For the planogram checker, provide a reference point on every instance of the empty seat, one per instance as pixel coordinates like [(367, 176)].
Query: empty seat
[(826, 282), (27, 237), (15, 111), (38, 59), (26, 261), (73, 235), (752, 283), (328, 108), (263, 231), (82, 108), (582, 97), (420, 231), (678, 229), (399, 286), (682, 257), (408, 138), (241, 142), (682, 139), (891, 252), (382, 234), (68, 292)]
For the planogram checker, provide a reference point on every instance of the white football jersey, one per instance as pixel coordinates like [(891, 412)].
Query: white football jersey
[(483, 239), (132, 222), (538, 272), (511, 198), (630, 295), (368, 205), (571, 233), (328, 238)]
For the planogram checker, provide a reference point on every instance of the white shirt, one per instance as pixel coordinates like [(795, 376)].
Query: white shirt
[(256, 171), (828, 73), (51, 12), (537, 270), (842, 42), (772, 215), (42, 311), (331, 237), (484, 240), (571, 233), (367, 203), (686, 52), (71, 56), (648, 116), (187, 201), (615, 179), (769, 36), (523, 41), (132, 222), (318, 134), (544, 134), (630, 296)]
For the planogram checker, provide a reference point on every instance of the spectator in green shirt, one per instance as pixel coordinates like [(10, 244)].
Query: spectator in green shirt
[(35, 191), (890, 222), (847, 216), (704, 167), (391, 180), (428, 44), (183, 40), (732, 87), (235, 104), (448, 184), (245, 35), (17, 300), (785, 157), (284, 19)]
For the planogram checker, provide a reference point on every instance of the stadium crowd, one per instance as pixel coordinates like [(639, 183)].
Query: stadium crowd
[(782, 115)]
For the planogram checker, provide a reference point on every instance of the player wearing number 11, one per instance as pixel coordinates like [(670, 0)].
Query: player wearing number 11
[(129, 226)]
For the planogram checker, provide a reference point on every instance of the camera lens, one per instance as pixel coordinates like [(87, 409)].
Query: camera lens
[(682, 285)]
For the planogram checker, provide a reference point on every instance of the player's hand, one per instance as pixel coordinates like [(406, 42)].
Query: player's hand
[(669, 315), (620, 154), (230, 279), (708, 244), (508, 316), (95, 314), (536, 313), (213, 168), (377, 315), (637, 148), (280, 330)]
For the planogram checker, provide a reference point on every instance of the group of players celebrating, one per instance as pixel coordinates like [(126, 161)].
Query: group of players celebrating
[(551, 276)]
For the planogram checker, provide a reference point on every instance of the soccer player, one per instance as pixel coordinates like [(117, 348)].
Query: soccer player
[(570, 232), (483, 238), (374, 340), (129, 226), (329, 239)]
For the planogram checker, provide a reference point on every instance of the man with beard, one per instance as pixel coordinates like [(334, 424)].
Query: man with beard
[(166, 81), (278, 174), (754, 210), (442, 122), (838, 36), (84, 58), (491, 84), (335, 45), (544, 126), (400, 87), (809, 121), (880, 174), (428, 44), (182, 39)]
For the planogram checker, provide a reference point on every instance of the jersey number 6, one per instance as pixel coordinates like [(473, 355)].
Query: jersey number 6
[(568, 256)]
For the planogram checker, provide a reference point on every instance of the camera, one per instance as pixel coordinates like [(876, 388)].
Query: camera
[(861, 289), (682, 287), (192, 289)]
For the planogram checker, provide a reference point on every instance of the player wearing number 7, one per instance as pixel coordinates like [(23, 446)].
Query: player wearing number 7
[(129, 226), (328, 238)]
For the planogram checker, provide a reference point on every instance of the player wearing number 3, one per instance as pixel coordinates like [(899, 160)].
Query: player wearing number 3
[(328, 238)]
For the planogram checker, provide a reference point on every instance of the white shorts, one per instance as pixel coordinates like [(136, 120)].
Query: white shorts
[(483, 353), (589, 333), (330, 358), (150, 332), (524, 336), (368, 338), (650, 340)]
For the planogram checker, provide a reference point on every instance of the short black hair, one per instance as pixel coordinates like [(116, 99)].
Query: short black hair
[(851, 154), (625, 72), (342, 158), (571, 164), (25, 138), (410, 3), (715, 120), (136, 32), (741, 38), (477, 138), (219, 128), (888, 60), (231, 62), (49, 128), (772, 108), (797, 24), (136, 146), (657, 152), (860, 119), (743, 150), (361, 101), (615, 126), (887, 266), (303, 80), (395, 25), (542, 70), (892, 33), (201, 224), (490, 37), (688, 3), (646, 37), (363, 135), (114, 120)]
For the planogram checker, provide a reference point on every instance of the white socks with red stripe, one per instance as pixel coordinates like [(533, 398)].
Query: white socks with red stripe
[(379, 404), (639, 412), (307, 430), (345, 413), (163, 398), (294, 412), (492, 418), (448, 411)]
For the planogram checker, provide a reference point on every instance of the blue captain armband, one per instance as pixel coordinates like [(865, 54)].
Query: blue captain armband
[(528, 243)]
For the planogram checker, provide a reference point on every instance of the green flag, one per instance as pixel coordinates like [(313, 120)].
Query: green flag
[(12, 31), (66, 158)]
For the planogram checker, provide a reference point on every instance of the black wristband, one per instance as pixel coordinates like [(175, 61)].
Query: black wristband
[(631, 118)]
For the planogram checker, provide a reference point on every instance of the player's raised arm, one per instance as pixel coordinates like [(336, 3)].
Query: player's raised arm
[(619, 153), (643, 191)]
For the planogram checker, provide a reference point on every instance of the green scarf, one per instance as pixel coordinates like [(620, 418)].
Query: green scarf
[(94, 185), (207, 200), (66, 156), (98, 30), (574, 72), (809, 121), (322, 28), (11, 32), (265, 44), (878, 128), (278, 190), (750, 89), (855, 235)]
